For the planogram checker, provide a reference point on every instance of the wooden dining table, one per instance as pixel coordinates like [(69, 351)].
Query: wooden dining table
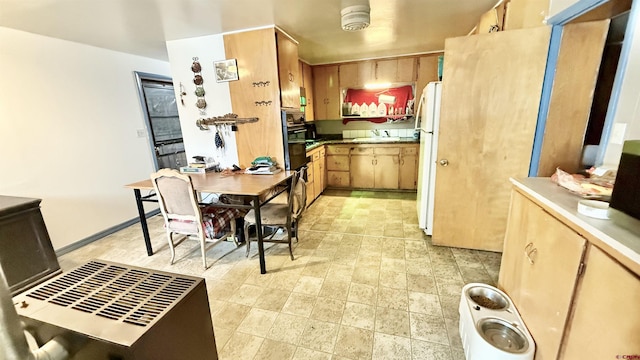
[(260, 189)]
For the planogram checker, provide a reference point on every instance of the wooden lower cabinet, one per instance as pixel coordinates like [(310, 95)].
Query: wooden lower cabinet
[(606, 318), (316, 182), (540, 265), (337, 165), (311, 191), (409, 167)]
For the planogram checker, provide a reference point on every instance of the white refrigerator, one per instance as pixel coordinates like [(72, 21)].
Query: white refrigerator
[(427, 123)]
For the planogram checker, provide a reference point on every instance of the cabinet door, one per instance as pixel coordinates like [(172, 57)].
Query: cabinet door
[(366, 72), (386, 70), (427, 72), (539, 268), (338, 178), (321, 174), (362, 171), (327, 92), (406, 70), (311, 188), (318, 170), (386, 169), (349, 75), (307, 78), (288, 71), (482, 144), (409, 168), (607, 299)]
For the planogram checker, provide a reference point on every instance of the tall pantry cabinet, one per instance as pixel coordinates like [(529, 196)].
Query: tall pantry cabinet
[(269, 78)]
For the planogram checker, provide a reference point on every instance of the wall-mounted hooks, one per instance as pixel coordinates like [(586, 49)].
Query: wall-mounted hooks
[(263, 103), (231, 119), (261, 83)]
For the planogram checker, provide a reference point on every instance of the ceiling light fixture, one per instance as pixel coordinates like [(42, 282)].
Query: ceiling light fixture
[(355, 17)]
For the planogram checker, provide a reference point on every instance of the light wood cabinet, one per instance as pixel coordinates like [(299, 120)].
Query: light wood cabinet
[(539, 248), (288, 71), (606, 299), (326, 92), (307, 84), (409, 167), (311, 192), (256, 55), (375, 167), (316, 174), (396, 70), (543, 263), (426, 73), (337, 164)]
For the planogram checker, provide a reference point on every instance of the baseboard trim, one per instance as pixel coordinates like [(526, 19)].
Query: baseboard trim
[(88, 240)]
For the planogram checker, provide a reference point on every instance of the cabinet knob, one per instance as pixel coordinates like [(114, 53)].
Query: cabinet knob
[(444, 162)]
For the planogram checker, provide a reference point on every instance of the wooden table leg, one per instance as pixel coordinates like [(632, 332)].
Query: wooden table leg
[(143, 222), (256, 210)]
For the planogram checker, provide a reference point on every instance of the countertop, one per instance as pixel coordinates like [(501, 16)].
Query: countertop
[(402, 140), (618, 236)]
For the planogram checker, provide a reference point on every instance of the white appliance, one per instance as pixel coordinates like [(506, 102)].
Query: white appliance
[(427, 122)]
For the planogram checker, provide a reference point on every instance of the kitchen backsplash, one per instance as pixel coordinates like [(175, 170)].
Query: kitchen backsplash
[(334, 127)]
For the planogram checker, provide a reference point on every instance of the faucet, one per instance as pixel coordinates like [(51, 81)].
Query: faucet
[(386, 132), (375, 132)]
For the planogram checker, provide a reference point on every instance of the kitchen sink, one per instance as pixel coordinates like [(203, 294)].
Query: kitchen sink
[(376, 139)]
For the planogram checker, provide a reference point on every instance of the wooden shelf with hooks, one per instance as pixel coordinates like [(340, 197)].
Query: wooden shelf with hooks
[(231, 119)]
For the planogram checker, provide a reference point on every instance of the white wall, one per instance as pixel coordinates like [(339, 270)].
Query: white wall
[(557, 6), (68, 120), (197, 142)]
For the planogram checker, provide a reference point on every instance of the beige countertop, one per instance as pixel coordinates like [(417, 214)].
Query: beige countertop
[(618, 236)]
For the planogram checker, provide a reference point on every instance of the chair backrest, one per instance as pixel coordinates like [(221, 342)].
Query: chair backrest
[(176, 196)]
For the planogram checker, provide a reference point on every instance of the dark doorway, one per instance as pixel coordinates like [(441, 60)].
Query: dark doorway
[(158, 101)]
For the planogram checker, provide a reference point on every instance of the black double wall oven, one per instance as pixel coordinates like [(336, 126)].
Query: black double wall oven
[(294, 138)]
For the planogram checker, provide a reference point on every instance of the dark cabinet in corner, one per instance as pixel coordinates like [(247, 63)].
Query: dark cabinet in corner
[(26, 254)]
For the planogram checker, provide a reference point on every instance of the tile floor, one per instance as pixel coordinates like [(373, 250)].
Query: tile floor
[(365, 284)]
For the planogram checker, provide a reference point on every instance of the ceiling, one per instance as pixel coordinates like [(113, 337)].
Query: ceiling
[(141, 27)]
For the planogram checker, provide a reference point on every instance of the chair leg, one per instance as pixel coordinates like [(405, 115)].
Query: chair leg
[(234, 231), (289, 238), (203, 249), (171, 245), (246, 236)]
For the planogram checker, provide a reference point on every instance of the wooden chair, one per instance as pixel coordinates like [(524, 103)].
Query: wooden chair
[(281, 215), (183, 214)]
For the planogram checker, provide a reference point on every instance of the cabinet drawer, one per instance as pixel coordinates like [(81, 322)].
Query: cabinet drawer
[(316, 155), (338, 150), (337, 163), (409, 150), (338, 178), (362, 151), (386, 151), (322, 153)]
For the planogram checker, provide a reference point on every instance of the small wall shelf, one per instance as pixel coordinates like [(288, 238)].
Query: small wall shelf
[(231, 119)]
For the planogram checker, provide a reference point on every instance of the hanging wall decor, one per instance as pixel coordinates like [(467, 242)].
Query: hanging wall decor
[(201, 103), (226, 70)]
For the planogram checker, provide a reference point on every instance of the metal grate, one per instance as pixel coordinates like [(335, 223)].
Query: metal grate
[(134, 296)]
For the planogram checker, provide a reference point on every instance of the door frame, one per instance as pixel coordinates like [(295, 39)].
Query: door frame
[(139, 77), (557, 23)]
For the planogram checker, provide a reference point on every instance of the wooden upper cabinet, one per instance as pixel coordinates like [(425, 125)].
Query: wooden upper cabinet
[(427, 72), (256, 55), (349, 75), (396, 70), (288, 71), (326, 92), (307, 84)]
